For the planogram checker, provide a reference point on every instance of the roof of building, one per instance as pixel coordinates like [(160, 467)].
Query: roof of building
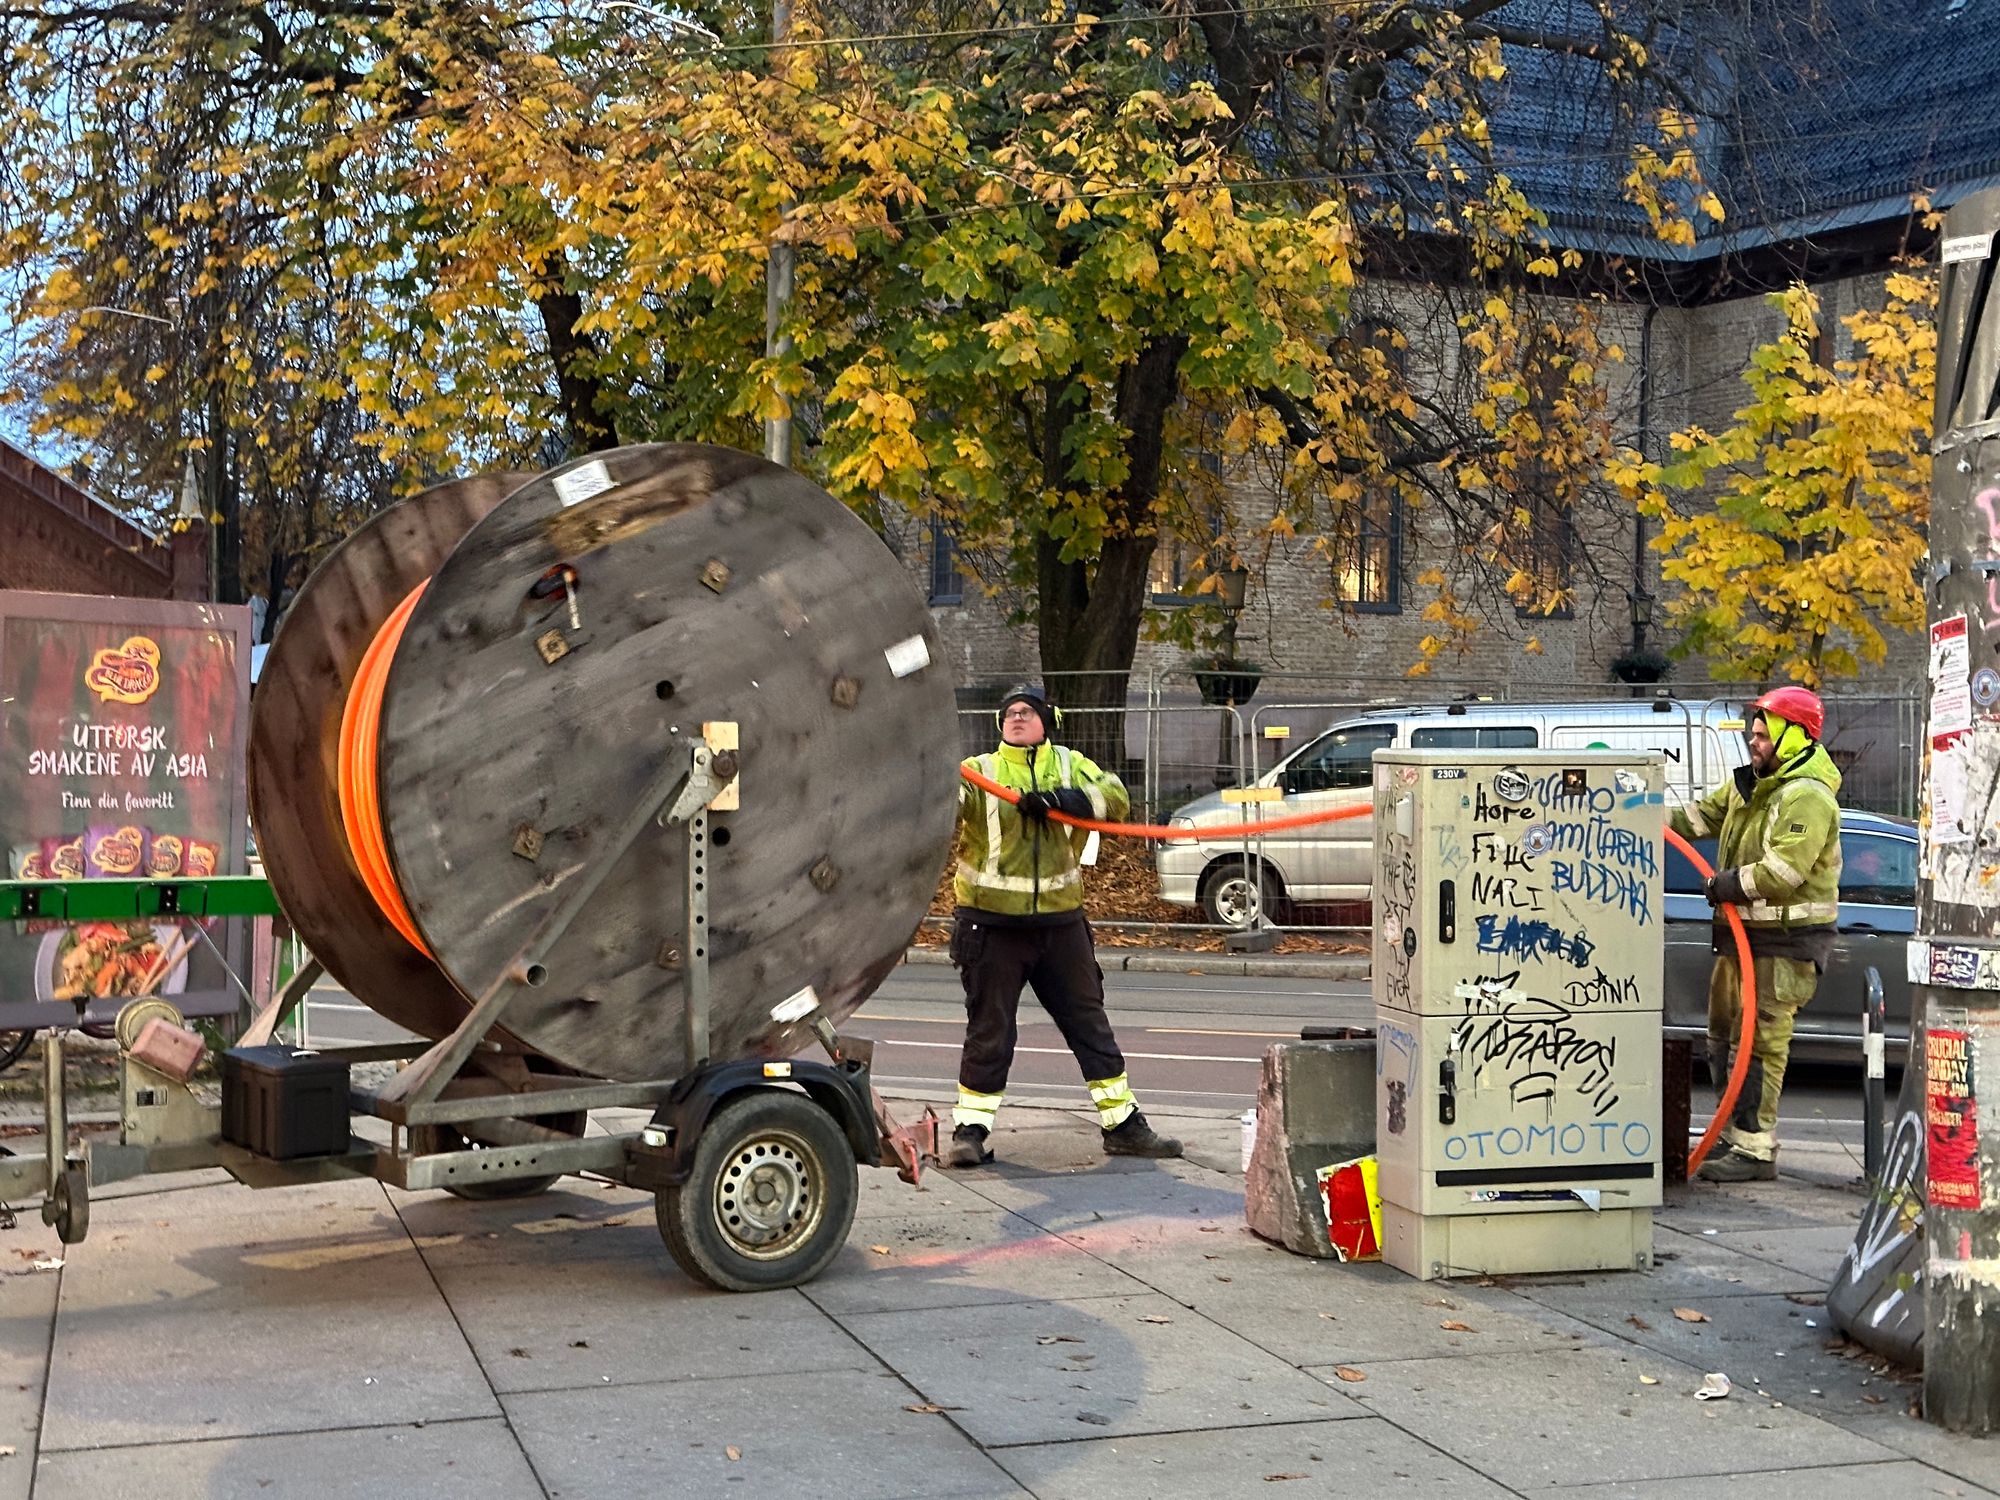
[(1831, 115)]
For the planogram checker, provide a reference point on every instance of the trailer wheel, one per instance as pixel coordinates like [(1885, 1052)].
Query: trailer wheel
[(769, 1198), (68, 1208), (450, 1138)]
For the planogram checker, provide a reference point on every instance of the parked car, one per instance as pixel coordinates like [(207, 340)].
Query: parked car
[(1878, 894), (1702, 742)]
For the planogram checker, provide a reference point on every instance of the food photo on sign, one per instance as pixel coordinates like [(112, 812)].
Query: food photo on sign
[(122, 725)]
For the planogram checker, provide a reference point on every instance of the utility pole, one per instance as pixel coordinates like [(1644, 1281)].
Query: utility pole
[(1955, 956), (778, 270)]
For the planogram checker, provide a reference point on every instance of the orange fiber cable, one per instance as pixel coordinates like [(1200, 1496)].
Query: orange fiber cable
[(360, 797), (1160, 831)]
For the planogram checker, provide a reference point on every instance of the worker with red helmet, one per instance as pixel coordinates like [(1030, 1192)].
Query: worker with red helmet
[(1777, 860)]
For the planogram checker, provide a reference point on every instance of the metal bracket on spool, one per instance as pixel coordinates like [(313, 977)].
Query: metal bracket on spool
[(711, 774), (680, 794)]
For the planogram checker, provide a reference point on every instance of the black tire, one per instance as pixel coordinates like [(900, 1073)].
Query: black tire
[(449, 1138), (1229, 898), (13, 1044), (71, 1206), (766, 1141)]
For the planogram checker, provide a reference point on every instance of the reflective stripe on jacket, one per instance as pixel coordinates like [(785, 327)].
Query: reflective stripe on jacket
[(1781, 835), (1010, 865)]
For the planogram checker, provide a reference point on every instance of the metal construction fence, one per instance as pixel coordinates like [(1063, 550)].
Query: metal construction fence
[(1173, 738)]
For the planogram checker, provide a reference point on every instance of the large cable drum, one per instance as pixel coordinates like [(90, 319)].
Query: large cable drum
[(564, 655)]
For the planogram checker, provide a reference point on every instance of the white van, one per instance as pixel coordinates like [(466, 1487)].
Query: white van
[(1703, 742)]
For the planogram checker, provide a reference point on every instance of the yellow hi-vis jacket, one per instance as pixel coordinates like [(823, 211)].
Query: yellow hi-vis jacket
[(1777, 847), (1011, 865)]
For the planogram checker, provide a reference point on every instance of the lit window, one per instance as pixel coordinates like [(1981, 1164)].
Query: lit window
[(1368, 555)]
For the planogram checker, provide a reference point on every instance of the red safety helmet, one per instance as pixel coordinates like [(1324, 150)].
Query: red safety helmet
[(1796, 705)]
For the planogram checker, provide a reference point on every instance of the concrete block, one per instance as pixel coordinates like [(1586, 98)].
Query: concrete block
[(1315, 1106)]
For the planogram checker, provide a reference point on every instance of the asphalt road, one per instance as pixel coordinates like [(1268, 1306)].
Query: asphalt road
[(1190, 1041)]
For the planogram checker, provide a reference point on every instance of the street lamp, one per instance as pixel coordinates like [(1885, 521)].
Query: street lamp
[(1642, 617)]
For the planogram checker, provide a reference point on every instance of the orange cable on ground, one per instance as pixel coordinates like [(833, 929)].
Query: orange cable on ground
[(360, 800), (1739, 1067)]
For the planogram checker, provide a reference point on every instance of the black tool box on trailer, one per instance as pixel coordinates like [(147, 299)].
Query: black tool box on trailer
[(283, 1102)]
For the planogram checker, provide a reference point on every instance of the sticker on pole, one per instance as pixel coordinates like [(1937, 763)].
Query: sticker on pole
[(1967, 247)]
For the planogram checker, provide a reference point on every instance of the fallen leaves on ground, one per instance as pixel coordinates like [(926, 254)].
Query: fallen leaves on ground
[(1155, 1318), (1276, 1478), (1649, 1380), (931, 1408), (734, 1452), (1690, 1315), (1640, 1323), (879, 1249), (1349, 1373), (1452, 1325), (1059, 1338)]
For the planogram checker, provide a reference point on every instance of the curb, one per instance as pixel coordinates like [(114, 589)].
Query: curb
[(1159, 962)]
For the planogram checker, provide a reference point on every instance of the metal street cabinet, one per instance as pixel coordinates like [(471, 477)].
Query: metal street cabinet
[(1517, 976)]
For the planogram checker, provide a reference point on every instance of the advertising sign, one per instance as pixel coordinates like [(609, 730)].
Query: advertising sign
[(122, 725)]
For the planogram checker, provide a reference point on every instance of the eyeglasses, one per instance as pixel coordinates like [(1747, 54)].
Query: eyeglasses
[(1019, 713)]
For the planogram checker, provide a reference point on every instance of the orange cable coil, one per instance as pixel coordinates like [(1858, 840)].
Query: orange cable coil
[(360, 791)]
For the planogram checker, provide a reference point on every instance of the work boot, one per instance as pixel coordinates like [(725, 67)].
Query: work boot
[(968, 1147), (1134, 1137), (1734, 1166)]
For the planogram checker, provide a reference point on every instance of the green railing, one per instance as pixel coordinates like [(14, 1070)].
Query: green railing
[(136, 900)]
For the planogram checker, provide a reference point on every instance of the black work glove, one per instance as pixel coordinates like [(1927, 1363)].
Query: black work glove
[(1726, 887), (1071, 801), (1035, 806)]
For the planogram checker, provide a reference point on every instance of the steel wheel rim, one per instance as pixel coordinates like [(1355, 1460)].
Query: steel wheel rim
[(768, 1197), (1237, 899)]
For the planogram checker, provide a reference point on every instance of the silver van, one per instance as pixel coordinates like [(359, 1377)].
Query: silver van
[(1702, 740)]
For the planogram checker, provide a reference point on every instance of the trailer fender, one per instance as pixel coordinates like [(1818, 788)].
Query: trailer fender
[(662, 1151)]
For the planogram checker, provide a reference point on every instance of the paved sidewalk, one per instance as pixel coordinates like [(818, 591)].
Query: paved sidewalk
[(1056, 1326)]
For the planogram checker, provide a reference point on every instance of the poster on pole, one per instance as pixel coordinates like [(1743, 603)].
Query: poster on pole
[(122, 727), (1951, 1119)]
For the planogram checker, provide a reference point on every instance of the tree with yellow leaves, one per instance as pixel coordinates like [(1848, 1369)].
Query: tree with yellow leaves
[(1058, 272), (1797, 536)]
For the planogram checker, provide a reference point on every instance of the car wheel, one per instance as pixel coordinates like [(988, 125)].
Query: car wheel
[(1235, 893)]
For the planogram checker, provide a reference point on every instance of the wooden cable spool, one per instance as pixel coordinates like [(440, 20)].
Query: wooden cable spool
[(573, 640)]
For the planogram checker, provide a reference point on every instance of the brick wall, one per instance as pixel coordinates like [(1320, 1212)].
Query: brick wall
[(56, 538)]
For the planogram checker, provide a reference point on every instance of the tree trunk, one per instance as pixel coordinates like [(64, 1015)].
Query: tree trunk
[(579, 389), (1089, 614)]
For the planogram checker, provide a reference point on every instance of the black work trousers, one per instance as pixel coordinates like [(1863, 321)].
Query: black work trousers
[(1059, 961)]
